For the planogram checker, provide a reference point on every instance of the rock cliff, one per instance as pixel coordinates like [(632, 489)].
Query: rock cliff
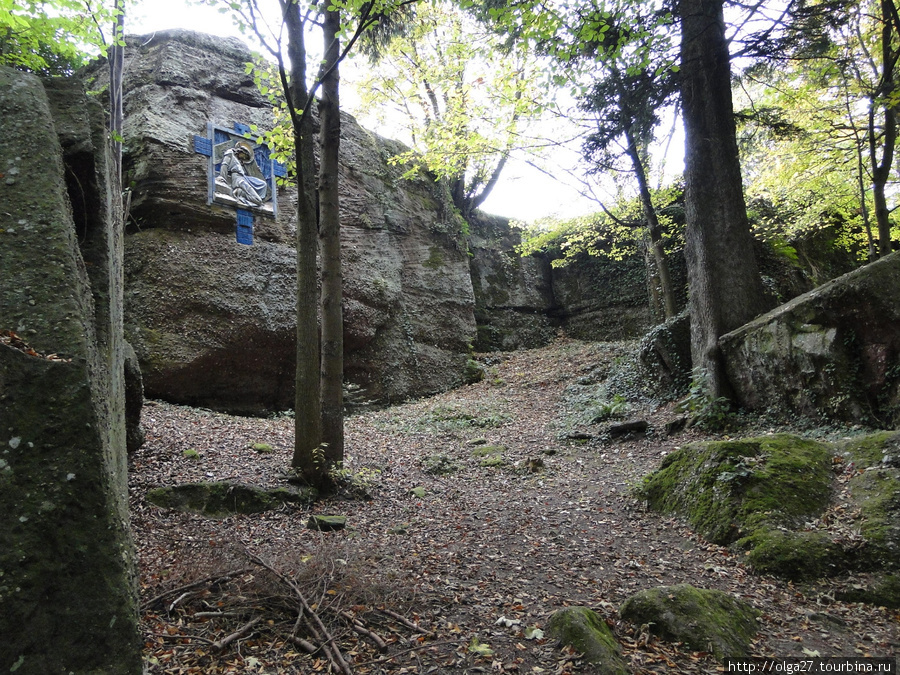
[(68, 601), (211, 320)]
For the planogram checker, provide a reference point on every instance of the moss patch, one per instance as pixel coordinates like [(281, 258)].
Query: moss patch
[(875, 489), (730, 489), (702, 619), (794, 555), (884, 592), (435, 258), (585, 631)]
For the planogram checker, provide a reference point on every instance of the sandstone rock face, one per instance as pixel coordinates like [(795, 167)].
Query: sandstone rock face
[(68, 600), (212, 321), (513, 295), (832, 352), (523, 302)]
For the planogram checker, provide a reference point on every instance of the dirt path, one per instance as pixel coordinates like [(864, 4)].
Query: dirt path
[(514, 521)]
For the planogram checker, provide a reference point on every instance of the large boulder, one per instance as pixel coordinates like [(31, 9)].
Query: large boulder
[(213, 321), (832, 353), (68, 598), (777, 497)]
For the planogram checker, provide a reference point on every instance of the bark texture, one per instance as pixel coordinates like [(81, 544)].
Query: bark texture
[(330, 241)]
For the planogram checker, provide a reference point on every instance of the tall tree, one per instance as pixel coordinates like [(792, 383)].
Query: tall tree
[(631, 89), (723, 278), (462, 94), (883, 101), (330, 241), (318, 435)]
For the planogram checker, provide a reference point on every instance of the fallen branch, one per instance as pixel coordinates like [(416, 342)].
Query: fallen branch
[(180, 636), (219, 645), (305, 645), (406, 622), (211, 580), (329, 646), (362, 630)]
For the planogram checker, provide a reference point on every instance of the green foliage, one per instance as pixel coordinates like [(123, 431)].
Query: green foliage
[(439, 465), (51, 38), (462, 95), (191, 453), (614, 408), (359, 483), (810, 130), (615, 235), (263, 448), (707, 412)]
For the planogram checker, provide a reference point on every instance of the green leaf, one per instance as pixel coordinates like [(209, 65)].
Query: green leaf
[(533, 633), (480, 648)]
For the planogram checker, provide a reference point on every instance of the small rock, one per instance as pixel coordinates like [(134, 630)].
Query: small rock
[(625, 428), (326, 523)]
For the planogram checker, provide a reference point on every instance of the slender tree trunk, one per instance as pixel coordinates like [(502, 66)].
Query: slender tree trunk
[(116, 56), (330, 240), (725, 286), (656, 245), (882, 171), (307, 404), (880, 174)]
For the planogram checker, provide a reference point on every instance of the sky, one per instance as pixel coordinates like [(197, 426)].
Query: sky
[(523, 193)]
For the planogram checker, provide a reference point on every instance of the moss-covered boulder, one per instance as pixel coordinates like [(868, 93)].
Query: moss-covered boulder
[(704, 620), (584, 630), (875, 490), (326, 523), (731, 489), (761, 494), (221, 499)]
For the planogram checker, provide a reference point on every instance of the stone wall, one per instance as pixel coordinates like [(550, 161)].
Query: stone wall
[(68, 601)]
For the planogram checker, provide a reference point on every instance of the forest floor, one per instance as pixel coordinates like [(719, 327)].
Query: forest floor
[(463, 576)]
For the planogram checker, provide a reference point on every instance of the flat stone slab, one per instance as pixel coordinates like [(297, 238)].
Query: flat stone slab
[(225, 498)]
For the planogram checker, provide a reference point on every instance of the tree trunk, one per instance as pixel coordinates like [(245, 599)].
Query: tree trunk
[(656, 245), (330, 240), (881, 172), (116, 57), (725, 287), (307, 403)]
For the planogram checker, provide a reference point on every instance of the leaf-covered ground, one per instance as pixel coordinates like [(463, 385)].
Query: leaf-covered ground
[(477, 514)]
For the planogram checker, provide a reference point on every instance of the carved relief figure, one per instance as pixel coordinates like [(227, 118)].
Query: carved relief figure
[(241, 175)]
